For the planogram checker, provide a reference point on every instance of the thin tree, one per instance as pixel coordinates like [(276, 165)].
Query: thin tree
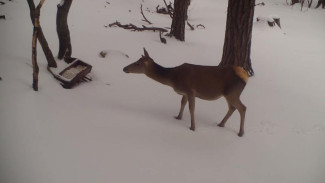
[(238, 35), (179, 19), (41, 38), (36, 14), (65, 48), (320, 2)]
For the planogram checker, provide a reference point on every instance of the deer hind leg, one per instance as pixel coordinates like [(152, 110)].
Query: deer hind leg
[(242, 111), (183, 103), (231, 109), (191, 100)]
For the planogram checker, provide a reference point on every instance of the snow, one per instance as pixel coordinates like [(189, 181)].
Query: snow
[(120, 127)]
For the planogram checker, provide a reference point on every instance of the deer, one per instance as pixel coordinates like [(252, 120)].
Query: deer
[(197, 81)]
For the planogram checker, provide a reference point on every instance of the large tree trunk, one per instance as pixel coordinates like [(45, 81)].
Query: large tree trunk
[(179, 18), (65, 48), (237, 44), (41, 38)]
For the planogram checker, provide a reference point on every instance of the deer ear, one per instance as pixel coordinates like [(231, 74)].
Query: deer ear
[(145, 52)]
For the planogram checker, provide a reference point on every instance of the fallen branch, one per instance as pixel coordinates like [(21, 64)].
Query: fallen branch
[(135, 28), (191, 26), (260, 4), (145, 19), (200, 25)]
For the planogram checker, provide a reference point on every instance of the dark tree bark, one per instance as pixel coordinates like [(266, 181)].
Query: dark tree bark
[(237, 44), (41, 38), (65, 48), (179, 19), (321, 2)]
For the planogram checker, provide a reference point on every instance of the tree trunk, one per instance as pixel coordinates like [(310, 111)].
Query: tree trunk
[(34, 58), (36, 14), (179, 18), (321, 2), (41, 38), (65, 48), (237, 44)]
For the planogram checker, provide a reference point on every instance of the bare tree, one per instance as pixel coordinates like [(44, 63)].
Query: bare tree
[(321, 2), (237, 43), (41, 38), (65, 48), (36, 15), (179, 19)]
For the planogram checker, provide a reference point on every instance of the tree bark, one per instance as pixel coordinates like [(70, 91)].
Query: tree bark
[(36, 14), (179, 19), (320, 2), (65, 48), (238, 35), (41, 38)]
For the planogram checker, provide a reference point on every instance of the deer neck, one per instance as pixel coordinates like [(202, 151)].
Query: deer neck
[(160, 74)]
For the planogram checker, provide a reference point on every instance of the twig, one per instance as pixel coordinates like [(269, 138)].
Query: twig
[(200, 25), (191, 26), (260, 4), (168, 10), (145, 19)]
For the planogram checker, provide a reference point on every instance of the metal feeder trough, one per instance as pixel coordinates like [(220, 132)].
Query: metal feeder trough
[(73, 73)]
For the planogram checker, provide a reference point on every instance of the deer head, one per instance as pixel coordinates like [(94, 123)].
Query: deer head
[(140, 66)]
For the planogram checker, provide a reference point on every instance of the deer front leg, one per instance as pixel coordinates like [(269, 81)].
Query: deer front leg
[(191, 100), (183, 103)]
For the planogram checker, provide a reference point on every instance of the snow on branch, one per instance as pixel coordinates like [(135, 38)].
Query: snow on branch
[(61, 3), (135, 28)]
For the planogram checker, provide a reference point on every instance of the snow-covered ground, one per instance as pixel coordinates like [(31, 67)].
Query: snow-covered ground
[(120, 127)]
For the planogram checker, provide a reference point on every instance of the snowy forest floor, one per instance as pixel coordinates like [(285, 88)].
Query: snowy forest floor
[(120, 127)]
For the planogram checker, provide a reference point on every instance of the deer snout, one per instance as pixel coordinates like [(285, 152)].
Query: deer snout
[(126, 70)]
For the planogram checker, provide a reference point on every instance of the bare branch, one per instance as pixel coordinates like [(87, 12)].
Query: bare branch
[(168, 9), (145, 19), (200, 25), (135, 28), (191, 26)]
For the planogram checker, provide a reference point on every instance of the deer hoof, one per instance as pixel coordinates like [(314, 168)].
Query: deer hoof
[(192, 128), (177, 117), (221, 125), (240, 134)]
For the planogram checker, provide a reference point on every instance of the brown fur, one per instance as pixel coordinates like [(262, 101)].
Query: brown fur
[(204, 82)]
